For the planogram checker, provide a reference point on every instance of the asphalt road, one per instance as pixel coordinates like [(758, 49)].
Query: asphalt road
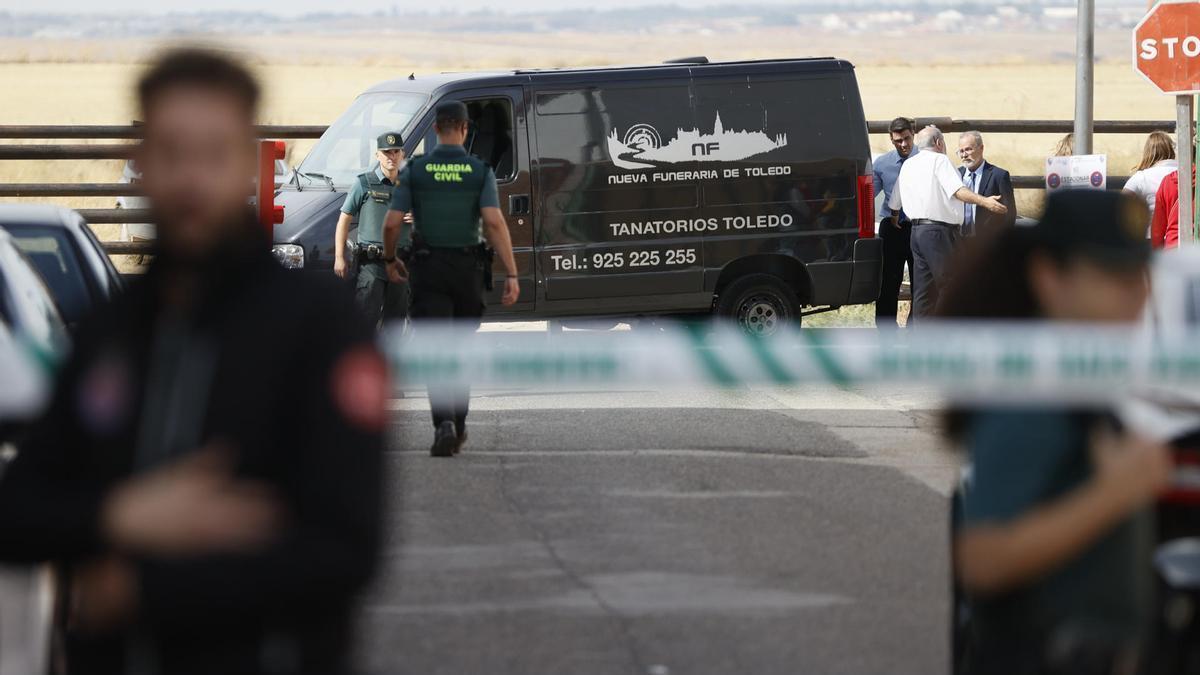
[(666, 532)]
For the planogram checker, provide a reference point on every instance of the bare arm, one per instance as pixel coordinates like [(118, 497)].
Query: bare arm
[(495, 230), (391, 229), (339, 244), (993, 558), (993, 204)]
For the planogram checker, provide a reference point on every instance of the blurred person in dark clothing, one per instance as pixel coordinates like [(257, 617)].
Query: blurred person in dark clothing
[(208, 474), (1055, 531)]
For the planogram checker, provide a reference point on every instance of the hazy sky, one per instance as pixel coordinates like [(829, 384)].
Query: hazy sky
[(291, 7)]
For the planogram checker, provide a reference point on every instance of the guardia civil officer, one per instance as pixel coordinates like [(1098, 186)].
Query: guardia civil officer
[(448, 192), (207, 473), (369, 199), (1053, 548)]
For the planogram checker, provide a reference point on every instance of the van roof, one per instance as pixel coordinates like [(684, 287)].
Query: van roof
[(434, 82)]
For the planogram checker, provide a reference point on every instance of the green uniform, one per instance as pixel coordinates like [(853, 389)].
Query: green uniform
[(445, 190), (1024, 459), (368, 199)]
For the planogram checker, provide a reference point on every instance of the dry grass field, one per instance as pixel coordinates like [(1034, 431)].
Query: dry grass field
[(311, 79)]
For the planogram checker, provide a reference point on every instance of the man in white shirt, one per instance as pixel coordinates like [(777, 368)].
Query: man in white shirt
[(932, 194)]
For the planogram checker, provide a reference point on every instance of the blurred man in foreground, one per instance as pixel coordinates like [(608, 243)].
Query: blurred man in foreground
[(207, 475)]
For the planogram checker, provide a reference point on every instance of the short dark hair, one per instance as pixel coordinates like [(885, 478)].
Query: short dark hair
[(901, 124), (200, 68)]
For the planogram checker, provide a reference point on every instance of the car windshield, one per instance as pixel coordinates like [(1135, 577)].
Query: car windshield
[(347, 148), (52, 253)]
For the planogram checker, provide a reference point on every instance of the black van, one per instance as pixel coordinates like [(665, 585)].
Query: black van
[(687, 187)]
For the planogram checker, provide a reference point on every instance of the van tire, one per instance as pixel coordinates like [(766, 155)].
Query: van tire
[(761, 304)]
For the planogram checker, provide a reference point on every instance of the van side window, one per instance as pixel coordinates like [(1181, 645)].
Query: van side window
[(491, 135), (599, 148), (804, 125), (427, 143)]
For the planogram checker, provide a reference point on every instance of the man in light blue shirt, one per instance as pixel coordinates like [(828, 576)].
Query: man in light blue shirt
[(897, 250)]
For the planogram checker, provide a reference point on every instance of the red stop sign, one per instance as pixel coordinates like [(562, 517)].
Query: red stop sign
[(1166, 46)]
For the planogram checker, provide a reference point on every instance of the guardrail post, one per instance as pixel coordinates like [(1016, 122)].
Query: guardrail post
[(268, 213)]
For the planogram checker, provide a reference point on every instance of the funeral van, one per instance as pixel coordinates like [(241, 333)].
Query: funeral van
[(740, 189)]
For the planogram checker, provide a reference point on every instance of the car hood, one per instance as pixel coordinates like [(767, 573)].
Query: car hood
[(304, 212)]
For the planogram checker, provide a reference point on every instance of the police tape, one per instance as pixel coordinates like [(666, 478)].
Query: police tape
[(973, 362)]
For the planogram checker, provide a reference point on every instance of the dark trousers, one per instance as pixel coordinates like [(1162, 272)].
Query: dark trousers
[(378, 298), (447, 286), (932, 246), (897, 252)]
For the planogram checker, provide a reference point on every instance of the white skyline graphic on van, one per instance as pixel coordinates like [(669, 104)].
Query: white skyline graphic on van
[(642, 146)]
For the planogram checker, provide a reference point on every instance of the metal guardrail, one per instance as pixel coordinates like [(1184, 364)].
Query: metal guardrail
[(69, 190), (948, 124), (78, 131), (114, 216), (128, 247), (76, 151)]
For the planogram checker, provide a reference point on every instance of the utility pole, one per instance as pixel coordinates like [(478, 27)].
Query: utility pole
[(1085, 51)]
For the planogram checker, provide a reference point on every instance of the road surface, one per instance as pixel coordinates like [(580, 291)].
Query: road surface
[(667, 532)]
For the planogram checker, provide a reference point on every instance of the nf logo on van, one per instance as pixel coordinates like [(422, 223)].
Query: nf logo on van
[(642, 147)]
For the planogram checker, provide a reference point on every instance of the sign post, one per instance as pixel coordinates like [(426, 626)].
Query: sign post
[(1183, 127), (1166, 51), (1085, 51)]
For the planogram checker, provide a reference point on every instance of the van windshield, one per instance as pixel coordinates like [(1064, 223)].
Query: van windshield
[(347, 148)]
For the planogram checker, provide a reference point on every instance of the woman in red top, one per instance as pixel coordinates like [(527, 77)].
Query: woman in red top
[(1164, 226)]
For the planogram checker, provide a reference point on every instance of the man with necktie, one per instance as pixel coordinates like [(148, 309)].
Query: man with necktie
[(987, 180)]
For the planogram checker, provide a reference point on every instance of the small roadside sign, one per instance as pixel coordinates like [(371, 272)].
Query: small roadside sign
[(1077, 171)]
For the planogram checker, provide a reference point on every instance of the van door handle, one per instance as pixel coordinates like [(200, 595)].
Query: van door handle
[(518, 205)]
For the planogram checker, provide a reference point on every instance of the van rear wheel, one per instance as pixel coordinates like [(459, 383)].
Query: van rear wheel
[(761, 304)]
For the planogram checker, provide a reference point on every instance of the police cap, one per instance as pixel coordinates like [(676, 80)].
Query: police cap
[(1106, 227), (452, 111), (390, 141)]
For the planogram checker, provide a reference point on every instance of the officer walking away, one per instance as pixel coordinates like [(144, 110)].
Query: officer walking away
[(932, 194), (1053, 545), (370, 198), (895, 229), (208, 471), (448, 192)]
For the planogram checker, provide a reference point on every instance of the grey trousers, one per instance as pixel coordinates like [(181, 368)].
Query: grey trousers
[(932, 246)]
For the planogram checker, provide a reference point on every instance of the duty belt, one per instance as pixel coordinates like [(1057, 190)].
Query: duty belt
[(371, 252)]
